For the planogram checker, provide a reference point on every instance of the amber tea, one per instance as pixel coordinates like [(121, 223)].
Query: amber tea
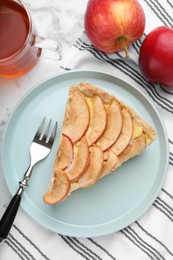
[(18, 54)]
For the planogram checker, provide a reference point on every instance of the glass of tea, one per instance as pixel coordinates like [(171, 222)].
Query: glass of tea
[(20, 46)]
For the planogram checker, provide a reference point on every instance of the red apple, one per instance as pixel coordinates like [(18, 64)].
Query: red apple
[(112, 25), (156, 56)]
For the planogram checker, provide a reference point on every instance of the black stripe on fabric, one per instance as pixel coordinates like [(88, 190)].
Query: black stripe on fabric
[(76, 244), (171, 142), (84, 248), (150, 249), (154, 238), (163, 12), (102, 248), (73, 247), (171, 5), (131, 72), (10, 244), (163, 210), (31, 243), (157, 13), (167, 193), (21, 248), (65, 68), (135, 47), (166, 90), (137, 44), (133, 240), (165, 206), (171, 158), (166, 101)]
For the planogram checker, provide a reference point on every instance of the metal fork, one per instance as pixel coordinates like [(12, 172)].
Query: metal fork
[(39, 149)]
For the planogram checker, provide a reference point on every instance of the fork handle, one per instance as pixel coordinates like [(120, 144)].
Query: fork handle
[(8, 217)]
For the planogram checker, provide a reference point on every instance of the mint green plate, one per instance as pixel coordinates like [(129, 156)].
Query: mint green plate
[(115, 201)]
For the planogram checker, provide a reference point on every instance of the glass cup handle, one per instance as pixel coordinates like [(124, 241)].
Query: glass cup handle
[(50, 48)]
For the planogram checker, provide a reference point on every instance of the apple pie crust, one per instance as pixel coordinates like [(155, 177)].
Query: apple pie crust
[(99, 133)]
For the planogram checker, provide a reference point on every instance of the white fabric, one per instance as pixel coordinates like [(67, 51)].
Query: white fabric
[(150, 237)]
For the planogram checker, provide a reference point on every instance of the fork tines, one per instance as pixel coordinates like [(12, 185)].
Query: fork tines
[(45, 134)]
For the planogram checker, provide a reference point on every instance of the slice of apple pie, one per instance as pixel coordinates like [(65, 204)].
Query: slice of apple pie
[(98, 135)]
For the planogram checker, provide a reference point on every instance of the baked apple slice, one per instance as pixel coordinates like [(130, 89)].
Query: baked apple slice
[(125, 135), (98, 120), (65, 153), (113, 127), (59, 188), (94, 170), (80, 161), (110, 163), (77, 117)]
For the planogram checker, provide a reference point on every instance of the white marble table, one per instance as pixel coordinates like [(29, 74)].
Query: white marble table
[(60, 20)]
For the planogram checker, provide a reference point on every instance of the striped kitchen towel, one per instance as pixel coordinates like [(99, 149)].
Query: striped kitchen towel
[(149, 237)]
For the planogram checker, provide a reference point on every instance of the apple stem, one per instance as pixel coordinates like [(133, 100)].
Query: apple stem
[(122, 41)]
